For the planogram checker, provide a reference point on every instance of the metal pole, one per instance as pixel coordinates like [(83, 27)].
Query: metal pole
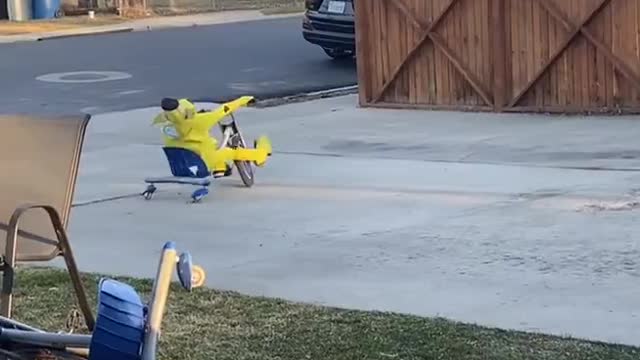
[(8, 266), (6, 322), (46, 339), (158, 300)]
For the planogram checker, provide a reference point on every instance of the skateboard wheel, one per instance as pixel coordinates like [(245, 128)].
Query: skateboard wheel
[(198, 276), (199, 194), (148, 194)]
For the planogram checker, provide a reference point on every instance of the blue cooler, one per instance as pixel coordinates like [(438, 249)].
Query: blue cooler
[(45, 9)]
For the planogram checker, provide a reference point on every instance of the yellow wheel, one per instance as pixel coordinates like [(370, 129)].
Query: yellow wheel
[(198, 276)]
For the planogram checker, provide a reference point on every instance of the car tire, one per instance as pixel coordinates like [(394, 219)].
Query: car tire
[(338, 54)]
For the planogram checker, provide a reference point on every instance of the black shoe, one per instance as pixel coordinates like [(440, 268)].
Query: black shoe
[(227, 172)]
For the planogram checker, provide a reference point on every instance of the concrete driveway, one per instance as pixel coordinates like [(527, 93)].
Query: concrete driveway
[(524, 222)]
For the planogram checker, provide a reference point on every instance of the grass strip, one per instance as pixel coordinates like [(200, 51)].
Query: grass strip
[(208, 324)]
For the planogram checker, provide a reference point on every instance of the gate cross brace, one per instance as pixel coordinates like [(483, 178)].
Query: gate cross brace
[(574, 31), (624, 69), (427, 32)]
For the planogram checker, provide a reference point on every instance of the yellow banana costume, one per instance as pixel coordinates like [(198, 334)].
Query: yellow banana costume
[(184, 127)]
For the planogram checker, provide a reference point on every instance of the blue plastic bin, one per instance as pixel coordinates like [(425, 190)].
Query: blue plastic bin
[(45, 9)]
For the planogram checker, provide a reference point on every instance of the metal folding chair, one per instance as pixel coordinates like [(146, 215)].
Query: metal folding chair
[(39, 159)]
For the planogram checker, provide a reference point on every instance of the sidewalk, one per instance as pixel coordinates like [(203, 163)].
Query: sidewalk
[(149, 24), (475, 217)]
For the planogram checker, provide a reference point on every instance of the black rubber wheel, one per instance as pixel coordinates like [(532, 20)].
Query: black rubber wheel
[(148, 193), (59, 14), (245, 168), (338, 54)]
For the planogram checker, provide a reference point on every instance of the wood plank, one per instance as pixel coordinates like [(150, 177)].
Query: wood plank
[(533, 49), (475, 15), (601, 63), (574, 110), (484, 46), (384, 34), (516, 13), (554, 44), (636, 36), (497, 43), (611, 69), (483, 50), (415, 71), (445, 67), (474, 18), (456, 45), (403, 37), (627, 56), (453, 58), (395, 56), (411, 17), (614, 45), (437, 66), (430, 58), (443, 107), (565, 44), (619, 64), (508, 52), (522, 45), (530, 45), (570, 61), (363, 50), (592, 76), (575, 57), (441, 66), (583, 72), (470, 28), (543, 25), (380, 44)]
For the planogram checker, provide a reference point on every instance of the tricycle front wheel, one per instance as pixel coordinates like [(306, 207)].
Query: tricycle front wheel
[(246, 172), (245, 168)]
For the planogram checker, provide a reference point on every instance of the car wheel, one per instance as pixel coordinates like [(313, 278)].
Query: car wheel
[(338, 53)]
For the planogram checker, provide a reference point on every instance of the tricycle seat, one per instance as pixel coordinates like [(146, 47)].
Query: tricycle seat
[(120, 324)]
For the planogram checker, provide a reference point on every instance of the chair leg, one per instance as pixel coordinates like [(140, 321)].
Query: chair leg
[(74, 274), (8, 272), (64, 249)]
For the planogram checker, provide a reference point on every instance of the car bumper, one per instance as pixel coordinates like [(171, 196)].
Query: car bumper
[(333, 32)]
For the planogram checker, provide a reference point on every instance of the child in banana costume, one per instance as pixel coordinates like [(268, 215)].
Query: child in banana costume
[(185, 127)]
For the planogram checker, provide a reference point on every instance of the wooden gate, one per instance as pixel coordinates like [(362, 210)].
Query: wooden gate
[(500, 55)]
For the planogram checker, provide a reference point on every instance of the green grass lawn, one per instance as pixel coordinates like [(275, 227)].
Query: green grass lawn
[(209, 324)]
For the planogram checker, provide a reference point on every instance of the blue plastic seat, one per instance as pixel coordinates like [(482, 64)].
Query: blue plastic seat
[(187, 168), (186, 163), (120, 323)]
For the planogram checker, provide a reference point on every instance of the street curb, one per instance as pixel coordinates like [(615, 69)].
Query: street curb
[(13, 39), (90, 33), (304, 97)]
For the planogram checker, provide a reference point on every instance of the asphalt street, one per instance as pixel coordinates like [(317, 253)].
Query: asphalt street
[(207, 63)]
